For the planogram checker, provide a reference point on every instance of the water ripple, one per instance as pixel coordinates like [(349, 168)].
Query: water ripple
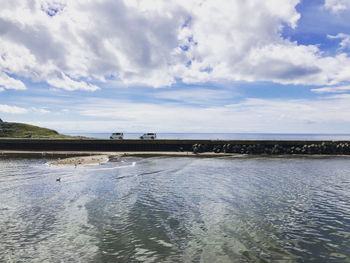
[(176, 210)]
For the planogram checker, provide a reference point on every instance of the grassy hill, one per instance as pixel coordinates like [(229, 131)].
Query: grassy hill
[(22, 130)]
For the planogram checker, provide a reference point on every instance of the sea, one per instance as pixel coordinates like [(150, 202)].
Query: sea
[(225, 136), (176, 209)]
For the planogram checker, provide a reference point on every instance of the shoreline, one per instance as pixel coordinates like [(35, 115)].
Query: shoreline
[(121, 153), (67, 154)]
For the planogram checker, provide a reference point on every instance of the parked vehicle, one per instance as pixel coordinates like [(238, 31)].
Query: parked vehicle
[(117, 136), (148, 136)]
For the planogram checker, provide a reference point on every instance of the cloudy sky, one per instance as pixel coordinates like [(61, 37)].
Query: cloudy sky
[(275, 66)]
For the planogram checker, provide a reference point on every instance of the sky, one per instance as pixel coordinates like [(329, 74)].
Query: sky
[(235, 66)]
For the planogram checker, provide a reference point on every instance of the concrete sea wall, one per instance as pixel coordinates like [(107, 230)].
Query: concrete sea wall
[(195, 146)]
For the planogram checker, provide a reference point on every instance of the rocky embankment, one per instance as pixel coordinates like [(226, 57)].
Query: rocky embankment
[(331, 148)]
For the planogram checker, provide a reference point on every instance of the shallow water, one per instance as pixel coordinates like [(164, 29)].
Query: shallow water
[(176, 210)]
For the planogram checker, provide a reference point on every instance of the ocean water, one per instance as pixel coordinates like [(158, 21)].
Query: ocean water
[(166, 209), (227, 136)]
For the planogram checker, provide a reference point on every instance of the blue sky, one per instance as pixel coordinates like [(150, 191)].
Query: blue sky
[(278, 66)]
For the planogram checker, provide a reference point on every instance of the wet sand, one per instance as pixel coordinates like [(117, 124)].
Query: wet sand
[(82, 160), (63, 154)]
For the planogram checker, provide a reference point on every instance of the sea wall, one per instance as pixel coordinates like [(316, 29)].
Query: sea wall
[(195, 146), (276, 148)]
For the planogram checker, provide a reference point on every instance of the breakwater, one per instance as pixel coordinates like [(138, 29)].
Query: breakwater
[(268, 147)]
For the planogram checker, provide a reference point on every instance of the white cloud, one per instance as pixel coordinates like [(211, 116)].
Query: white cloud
[(338, 89), (6, 82), (345, 40), (19, 110), (64, 82), (69, 44), (195, 96), (327, 115), (337, 5), (40, 110), (12, 109)]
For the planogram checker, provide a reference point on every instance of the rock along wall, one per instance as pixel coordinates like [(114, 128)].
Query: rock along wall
[(336, 148)]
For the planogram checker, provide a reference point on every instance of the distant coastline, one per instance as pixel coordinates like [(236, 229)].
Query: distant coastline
[(224, 136), (23, 130)]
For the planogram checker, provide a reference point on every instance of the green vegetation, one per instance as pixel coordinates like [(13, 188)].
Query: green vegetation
[(22, 130)]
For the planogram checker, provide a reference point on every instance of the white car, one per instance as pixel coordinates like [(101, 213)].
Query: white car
[(148, 136), (117, 136)]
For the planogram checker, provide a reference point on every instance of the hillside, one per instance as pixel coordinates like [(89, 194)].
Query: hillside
[(22, 130)]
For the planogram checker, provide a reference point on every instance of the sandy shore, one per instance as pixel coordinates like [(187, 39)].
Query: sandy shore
[(63, 154), (82, 160)]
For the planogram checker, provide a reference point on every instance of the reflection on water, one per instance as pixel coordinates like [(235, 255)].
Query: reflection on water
[(176, 210)]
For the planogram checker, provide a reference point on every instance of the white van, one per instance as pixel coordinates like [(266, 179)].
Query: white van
[(148, 136), (117, 136)]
